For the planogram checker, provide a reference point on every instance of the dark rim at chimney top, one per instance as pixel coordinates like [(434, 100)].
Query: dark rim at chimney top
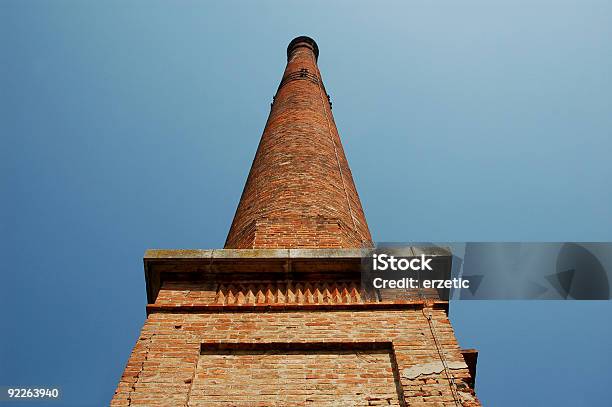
[(303, 41)]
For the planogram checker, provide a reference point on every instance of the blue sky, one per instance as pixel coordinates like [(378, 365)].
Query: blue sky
[(132, 125)]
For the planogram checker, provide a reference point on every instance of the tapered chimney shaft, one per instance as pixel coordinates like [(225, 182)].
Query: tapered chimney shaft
[(300, 192)]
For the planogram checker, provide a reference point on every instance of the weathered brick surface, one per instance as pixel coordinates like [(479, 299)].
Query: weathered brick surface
[(170, 364), (300, 191), (300, 338), (286, 378)]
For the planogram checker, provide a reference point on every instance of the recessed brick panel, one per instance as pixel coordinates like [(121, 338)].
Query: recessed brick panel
[(295, 377)]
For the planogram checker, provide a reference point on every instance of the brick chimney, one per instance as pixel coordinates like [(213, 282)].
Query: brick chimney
[(279, 316), (300, 192)]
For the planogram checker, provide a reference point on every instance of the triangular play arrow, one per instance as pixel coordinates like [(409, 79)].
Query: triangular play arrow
[(562, 281)]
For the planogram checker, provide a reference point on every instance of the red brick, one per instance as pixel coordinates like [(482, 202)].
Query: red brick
[(318, 341), (300, 190)]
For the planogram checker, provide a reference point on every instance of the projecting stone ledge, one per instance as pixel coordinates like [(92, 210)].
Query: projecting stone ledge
[(223, 254), (216, 265)]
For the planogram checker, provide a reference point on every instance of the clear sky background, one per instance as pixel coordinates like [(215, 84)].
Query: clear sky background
[(132, 125)]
